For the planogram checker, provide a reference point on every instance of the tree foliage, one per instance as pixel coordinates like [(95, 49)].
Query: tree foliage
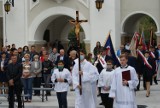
[(73, 40), (146, 23)]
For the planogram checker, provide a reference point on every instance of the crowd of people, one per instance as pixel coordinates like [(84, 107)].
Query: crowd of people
[(22, 69)]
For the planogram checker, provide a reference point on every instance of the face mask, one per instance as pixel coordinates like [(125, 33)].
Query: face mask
[(60, 68), (26, 59), (81, 57), (36, 59)]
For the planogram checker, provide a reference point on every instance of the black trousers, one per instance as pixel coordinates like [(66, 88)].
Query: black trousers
[(138, 86), (37, 84), (62, 99), (15, 90), (155, 80), (144, 83), (107, 102)]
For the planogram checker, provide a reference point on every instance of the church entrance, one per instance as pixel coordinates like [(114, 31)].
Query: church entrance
[(58, 31)]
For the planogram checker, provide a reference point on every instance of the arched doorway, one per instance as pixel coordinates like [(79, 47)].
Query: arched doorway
[(56, 20), (138, 22), (56, 29)]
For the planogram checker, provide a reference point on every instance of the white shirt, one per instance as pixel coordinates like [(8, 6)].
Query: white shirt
[(61, 86), (61, 57), (2, 63), (105, 79)]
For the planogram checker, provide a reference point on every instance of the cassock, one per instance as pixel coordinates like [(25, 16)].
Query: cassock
[(124, 95), (89, 79)]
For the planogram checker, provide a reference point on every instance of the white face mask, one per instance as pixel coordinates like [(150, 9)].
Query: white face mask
[(82, 57), (36, 59), (27, 59)]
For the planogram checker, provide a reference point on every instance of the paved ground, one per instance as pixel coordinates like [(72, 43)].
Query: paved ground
[(152, 102)]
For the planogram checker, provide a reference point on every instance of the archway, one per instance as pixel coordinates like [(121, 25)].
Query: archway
[(48, 19), (135, 22), (55, 29)]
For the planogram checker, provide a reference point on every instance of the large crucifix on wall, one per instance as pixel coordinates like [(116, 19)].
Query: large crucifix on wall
[(77, 23)]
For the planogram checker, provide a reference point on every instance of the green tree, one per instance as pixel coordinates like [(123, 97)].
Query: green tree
[(73, 40), (145, 24)]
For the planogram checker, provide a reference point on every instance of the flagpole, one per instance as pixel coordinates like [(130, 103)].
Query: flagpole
[(151, 37)]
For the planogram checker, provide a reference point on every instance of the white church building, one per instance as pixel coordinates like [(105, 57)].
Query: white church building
[(27, 21)]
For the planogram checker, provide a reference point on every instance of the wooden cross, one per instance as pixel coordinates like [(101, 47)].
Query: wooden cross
[(77, 23)]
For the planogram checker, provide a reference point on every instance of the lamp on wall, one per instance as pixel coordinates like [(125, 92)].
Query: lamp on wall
[(34, 0), (7, 6), (99, 4)]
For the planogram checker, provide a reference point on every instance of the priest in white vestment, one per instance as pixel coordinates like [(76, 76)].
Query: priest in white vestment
[(122, 90), (90, 76)]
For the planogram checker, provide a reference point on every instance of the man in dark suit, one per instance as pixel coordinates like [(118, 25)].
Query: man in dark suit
[(15, 53), (64, 58), (47, 66), (33, 52), (14, 73)]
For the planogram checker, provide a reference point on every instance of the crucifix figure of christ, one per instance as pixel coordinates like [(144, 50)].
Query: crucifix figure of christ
[(77, 23)]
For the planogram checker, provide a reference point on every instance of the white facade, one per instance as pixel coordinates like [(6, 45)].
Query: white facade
[(28, 20)]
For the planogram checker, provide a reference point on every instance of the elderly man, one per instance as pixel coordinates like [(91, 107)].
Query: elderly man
[(53, 56), (64, 58)]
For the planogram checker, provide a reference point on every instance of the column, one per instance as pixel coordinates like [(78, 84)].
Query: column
[(158, 37)]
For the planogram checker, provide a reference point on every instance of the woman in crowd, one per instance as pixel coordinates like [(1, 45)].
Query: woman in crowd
[(97, 49), (27, 78), (36, 73), (26, 50), (42, 56), (3, 67), (148, 71)]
